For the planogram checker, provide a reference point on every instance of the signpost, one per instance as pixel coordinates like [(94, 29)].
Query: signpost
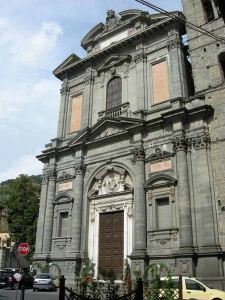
[(23, 249)]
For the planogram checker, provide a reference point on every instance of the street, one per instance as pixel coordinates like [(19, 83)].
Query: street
[(7, 294)]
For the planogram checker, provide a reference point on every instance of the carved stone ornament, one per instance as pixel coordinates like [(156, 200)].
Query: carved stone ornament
[(64, 90), (139, 153), (180, 144), (173, 42), (64, 176), (52, 174), (140, 57), (90, 77), (45, 178), (200, 142), (112, 21), (79, 169), (48, 175)]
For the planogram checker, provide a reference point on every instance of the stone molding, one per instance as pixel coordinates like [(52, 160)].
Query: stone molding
[(140, 57), (159, 154), (174, 42), (180, 143), (90, 77), (49, 175), (198, 142), (64, 90), (79, 169), (139, 153), (65, 176)]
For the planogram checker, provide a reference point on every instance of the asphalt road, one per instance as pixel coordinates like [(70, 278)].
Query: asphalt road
[(7, 294)]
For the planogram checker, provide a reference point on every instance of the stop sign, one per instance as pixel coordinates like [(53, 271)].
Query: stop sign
[(23, 249)]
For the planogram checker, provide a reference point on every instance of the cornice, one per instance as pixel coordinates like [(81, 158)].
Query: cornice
[(83, 62)]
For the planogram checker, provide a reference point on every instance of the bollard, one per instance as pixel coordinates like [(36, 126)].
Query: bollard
[(22, 293), (62, 288)]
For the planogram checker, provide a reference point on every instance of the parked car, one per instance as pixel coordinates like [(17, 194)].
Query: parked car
[(7, 279), (194, 289), (44, 281)]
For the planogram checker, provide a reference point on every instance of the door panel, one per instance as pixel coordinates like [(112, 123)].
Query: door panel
[(111, 242)]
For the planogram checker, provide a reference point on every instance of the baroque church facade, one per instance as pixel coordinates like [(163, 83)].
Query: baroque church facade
[(137, 170)]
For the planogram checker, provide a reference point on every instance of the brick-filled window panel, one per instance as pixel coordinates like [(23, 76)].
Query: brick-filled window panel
[(114, 93)]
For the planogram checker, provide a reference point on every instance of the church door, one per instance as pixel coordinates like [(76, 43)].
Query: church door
[(111, 242)]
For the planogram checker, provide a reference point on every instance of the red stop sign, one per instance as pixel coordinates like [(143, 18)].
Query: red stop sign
[(23, 249)]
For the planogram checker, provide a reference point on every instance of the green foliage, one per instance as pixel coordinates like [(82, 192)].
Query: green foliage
[(160, 289), (87, 268), (22, 209), (107, 274)]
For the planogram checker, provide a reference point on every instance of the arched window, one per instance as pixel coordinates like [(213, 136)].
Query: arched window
[(221, 58), (114, 93), (208, 8)]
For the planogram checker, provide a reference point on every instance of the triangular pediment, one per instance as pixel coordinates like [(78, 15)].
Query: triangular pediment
[(159, 154), (113, 60), (105, 128), (73, 58)]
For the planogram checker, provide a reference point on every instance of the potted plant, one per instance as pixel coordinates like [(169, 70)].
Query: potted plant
[(87, 270)]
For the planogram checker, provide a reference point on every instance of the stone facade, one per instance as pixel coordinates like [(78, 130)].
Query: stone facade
[(157, 157)]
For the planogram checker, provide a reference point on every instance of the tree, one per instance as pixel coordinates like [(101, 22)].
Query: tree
[(22, 209)]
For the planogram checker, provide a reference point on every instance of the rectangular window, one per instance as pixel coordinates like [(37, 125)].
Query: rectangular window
[(63, 224), (160, 82), (163, 215), (76, 109)]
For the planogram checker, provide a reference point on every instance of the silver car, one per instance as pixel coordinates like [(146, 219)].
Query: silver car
[(44, 281)]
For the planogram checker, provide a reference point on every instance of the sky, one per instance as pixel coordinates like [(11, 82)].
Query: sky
[(35, 37)]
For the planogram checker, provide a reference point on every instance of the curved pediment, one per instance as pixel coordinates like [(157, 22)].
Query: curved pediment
[(93, 33), (160, 180), (63, 198)]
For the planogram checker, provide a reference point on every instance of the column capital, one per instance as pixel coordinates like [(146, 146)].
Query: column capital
[(140, 57), (90, 77), (139, 153), (45, 178), (79, 169), (52, 175), (174, 41), (180, 143), (202, 142), (65, 90)]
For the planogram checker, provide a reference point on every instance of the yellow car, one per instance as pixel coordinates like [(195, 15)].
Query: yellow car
[(196, 290)]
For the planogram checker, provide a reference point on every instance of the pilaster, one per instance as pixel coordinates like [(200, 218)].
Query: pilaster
[(65, 90), (77, 208), (140, 224), (42, 206), (184, 201), (88, 97), (140, 59), (178, 72), (49, 212)]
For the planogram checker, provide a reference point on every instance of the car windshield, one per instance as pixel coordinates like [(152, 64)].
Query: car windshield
[(43, 276)]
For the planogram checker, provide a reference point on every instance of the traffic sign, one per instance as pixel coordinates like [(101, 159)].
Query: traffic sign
[(23, 249)]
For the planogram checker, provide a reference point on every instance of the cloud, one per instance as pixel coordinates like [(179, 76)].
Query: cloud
[(27, 164), (39, 46), (40, 97)]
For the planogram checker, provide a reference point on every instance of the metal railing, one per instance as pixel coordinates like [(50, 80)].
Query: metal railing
[(99, 291)]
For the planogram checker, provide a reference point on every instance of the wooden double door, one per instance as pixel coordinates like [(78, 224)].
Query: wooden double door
[(111, 242)]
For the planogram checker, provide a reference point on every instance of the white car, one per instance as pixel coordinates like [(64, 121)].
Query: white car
[(44, 281)]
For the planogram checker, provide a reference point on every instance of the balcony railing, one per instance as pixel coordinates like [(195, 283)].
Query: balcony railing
[(122, 110)]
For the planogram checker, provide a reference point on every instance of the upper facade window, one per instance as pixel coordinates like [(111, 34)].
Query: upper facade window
[(208, 8), (114, 93)]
